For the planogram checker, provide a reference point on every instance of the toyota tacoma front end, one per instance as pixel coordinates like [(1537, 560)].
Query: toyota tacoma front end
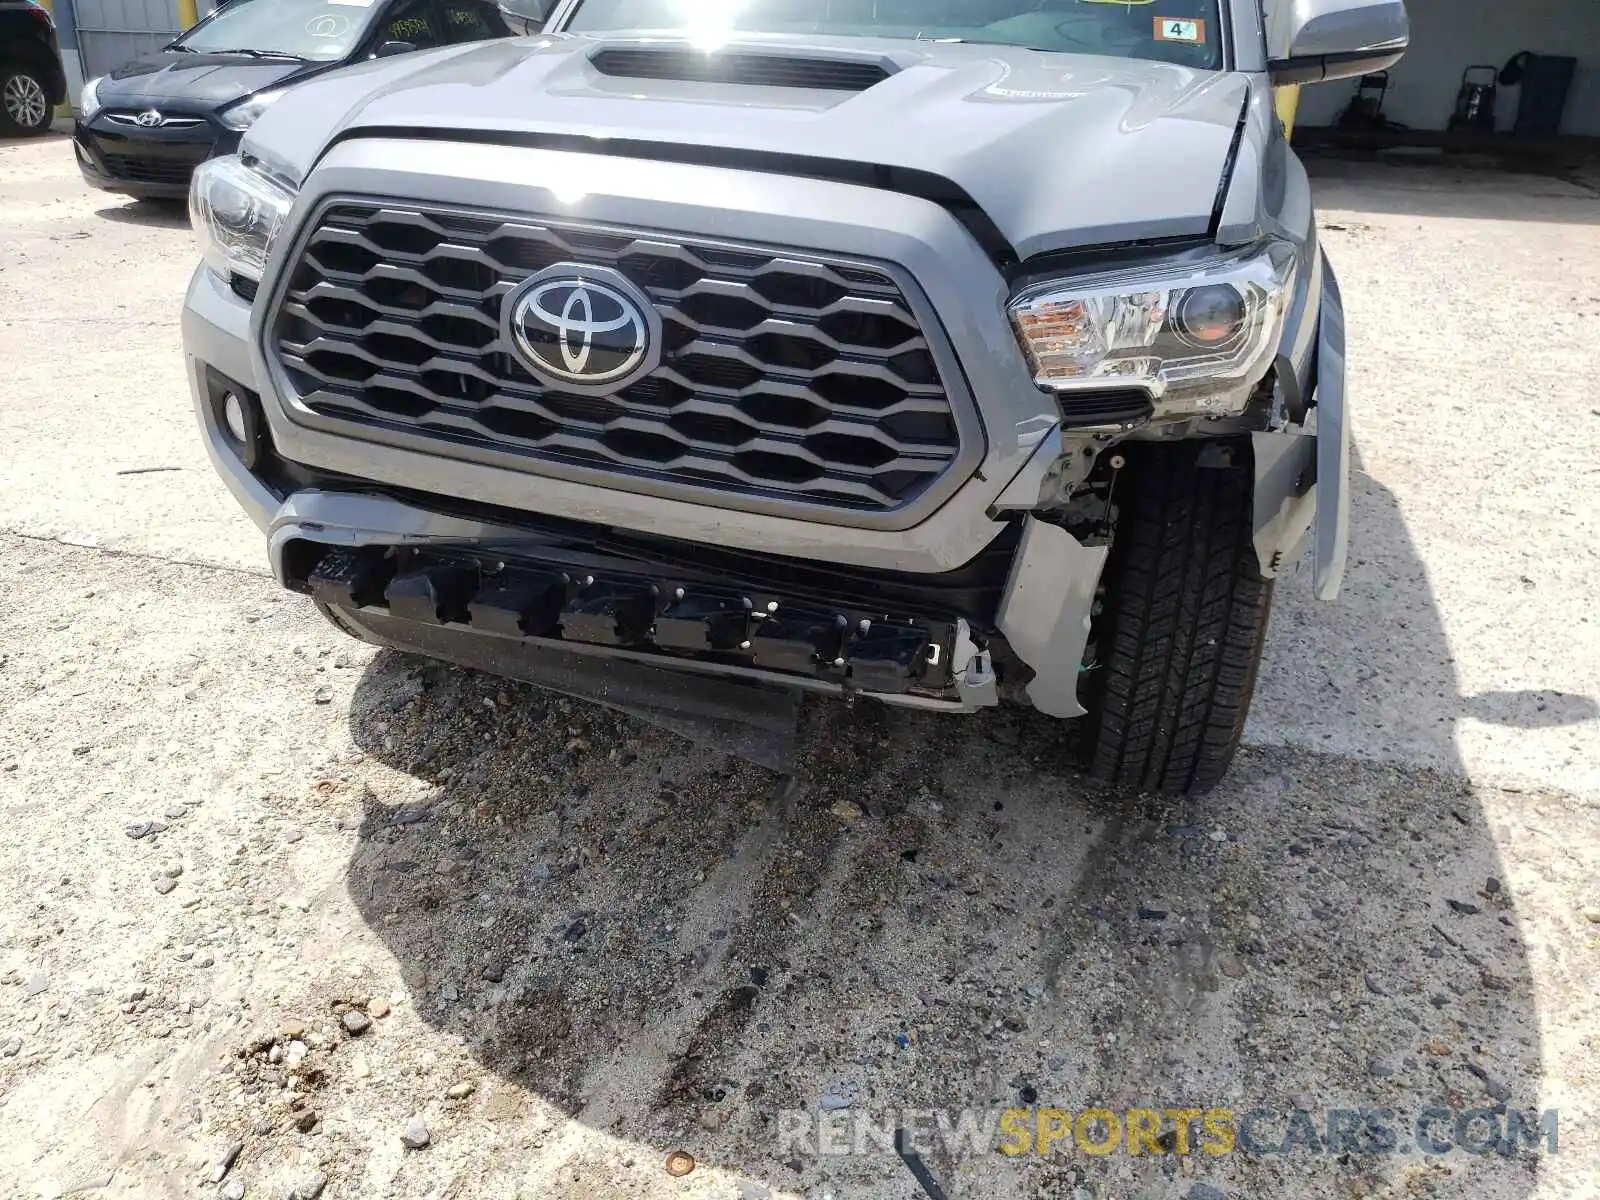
[(979, 355)]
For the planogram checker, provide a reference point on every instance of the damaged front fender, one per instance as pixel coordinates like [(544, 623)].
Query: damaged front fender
[(1332, 538), (1302, 472)]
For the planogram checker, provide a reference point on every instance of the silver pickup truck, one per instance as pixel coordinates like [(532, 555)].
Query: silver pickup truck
[(951, 353)]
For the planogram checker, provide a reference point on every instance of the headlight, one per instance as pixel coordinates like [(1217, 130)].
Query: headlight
[(1197, 332), (236, 212), (243, 114), (89, 98)]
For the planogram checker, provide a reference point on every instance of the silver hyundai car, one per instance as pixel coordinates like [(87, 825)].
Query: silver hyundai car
[(688, 355)]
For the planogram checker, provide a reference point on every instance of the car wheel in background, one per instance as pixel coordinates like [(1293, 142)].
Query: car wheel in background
[(25, 106)]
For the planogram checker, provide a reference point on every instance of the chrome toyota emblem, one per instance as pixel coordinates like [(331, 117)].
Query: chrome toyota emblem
[(149, 119), (583, 328)]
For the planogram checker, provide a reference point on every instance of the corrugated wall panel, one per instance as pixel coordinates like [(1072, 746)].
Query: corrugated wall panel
[(110, 32)]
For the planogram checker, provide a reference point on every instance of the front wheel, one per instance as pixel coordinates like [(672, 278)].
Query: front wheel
[(25, 107), (1185, 621)]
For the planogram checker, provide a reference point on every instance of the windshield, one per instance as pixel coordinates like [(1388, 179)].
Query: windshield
[(320, 30), (1188, 32)]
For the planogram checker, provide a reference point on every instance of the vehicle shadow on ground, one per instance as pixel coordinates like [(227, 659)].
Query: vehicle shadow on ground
[(154, 214), (683, 952)]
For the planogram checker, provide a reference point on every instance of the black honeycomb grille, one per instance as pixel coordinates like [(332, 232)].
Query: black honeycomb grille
[(783, 375)]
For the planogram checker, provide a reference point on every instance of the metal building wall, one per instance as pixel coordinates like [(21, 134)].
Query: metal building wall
[(1448, 35), (110, 32)]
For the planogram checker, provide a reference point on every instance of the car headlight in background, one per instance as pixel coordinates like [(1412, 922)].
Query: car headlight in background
[(1201, 332), (244, 114), (237, 212), (89, 98)]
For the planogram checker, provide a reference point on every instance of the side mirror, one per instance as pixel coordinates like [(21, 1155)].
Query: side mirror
[(390, 49), (1337, 39), (523, 17)]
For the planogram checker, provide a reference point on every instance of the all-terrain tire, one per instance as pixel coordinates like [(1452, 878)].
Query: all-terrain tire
[(1185, 621)]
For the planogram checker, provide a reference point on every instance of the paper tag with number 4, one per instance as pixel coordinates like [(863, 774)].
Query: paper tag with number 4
[(1175, 29)]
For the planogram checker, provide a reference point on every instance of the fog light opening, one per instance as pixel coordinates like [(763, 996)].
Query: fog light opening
[(233, 417)]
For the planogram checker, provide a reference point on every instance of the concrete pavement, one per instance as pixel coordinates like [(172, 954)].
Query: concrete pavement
[(1393, 910)]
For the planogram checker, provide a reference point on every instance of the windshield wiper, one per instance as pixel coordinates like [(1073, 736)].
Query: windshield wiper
[(261, 53), (981, 41), (184, 49)]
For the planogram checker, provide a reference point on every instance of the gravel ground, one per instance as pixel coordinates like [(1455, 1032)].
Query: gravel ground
[(280, 914)]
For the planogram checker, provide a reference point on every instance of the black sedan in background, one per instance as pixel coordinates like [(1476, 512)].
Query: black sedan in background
[(144, 128)]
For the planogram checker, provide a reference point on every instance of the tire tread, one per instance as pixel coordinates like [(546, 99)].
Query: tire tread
[(1188, 612)]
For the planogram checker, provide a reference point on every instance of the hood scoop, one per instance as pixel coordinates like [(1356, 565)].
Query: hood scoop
[(753, 69)]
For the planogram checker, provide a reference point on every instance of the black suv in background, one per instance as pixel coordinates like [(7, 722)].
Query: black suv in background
[(144, 128), (31, 80)]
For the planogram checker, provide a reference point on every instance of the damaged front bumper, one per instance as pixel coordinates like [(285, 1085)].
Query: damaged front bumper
[(493, 594), (501, 595)]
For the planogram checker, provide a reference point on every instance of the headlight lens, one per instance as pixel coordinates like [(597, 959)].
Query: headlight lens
[(236, 212), (89, 98), (1197, 329), (244, 114)]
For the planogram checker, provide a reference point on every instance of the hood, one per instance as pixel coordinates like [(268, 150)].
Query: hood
[(202, 81), (1058, 150)]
